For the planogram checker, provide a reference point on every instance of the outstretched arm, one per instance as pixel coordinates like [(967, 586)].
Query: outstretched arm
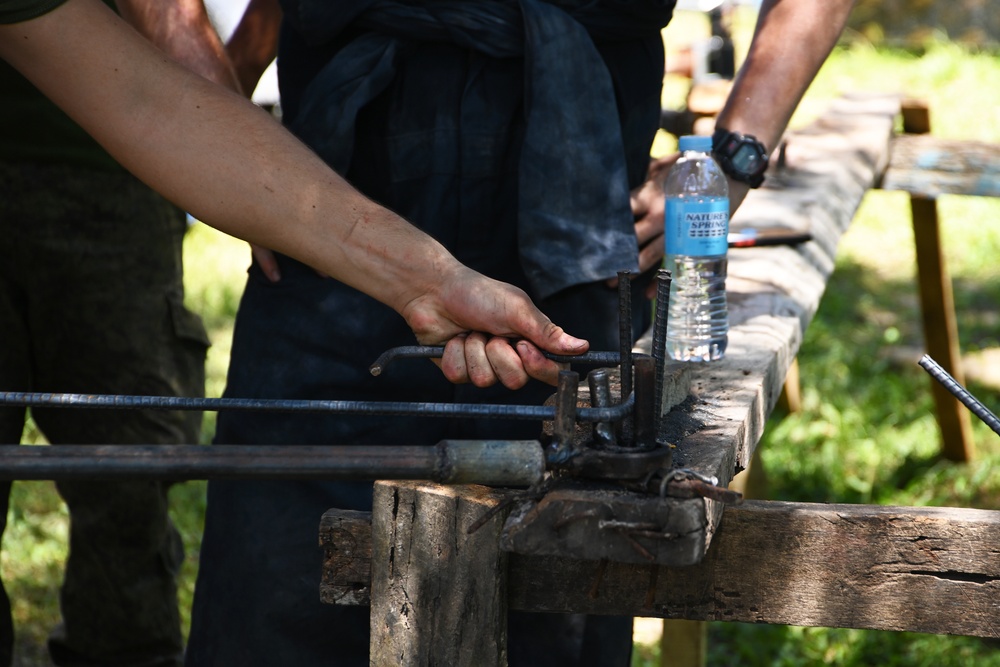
[(791, 42), (229, 163)]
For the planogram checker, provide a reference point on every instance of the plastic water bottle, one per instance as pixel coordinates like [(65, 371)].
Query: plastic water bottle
[(697, 225)]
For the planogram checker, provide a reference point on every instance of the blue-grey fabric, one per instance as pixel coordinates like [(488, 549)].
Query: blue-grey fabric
[(573, 181)]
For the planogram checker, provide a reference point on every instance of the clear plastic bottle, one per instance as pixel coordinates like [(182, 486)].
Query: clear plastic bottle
[(696, 228)]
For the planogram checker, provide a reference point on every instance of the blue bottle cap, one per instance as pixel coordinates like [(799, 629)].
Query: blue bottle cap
[(692, 142)]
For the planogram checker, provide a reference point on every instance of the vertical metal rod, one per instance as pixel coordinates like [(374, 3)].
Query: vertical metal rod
[(600, 397), (958, 391), (564, 424), (625, 346), (660, 319), (645, 422)]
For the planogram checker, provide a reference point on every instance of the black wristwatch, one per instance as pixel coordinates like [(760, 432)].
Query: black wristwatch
[(741, 156)]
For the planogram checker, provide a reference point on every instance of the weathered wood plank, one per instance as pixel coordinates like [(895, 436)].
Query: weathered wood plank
[(929, 167), (934, 570), (614, 524), (347, 558), (773, 294), (438, 594)]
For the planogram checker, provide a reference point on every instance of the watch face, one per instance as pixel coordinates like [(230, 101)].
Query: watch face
[(746, 159)]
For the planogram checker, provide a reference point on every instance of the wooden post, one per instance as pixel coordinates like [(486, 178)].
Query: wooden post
[(938, 308), (438, 594), (684, 643)]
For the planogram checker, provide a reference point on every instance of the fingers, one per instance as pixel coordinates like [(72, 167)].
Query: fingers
[(536, 365), (647, 207), (651, 254), (485, 360), (659, 167), (267, 262), (553, 339)]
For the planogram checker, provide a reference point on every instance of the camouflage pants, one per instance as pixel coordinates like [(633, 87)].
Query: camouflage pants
[(91, 300)]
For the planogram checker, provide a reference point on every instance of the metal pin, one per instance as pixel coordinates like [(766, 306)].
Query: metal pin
[(625, 330), (644, 421), (600, 397), (564, 424)]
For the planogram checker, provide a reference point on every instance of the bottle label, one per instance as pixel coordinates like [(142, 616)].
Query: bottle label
[(696, 228)]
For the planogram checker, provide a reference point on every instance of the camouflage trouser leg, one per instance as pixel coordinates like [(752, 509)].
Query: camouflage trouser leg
[(92, 301)]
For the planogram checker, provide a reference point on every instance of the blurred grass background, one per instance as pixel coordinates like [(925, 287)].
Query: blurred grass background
[(866, 434)]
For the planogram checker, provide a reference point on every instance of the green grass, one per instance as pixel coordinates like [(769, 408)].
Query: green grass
[(866, 435)]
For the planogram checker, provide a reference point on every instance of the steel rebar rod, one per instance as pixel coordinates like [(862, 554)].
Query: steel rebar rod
[(436, 351), (660, 321), (625, 343), (494, 462), (625, 331), (961, 393), (394, 408)]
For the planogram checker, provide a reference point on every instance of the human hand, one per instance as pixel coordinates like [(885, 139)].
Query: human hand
[(737, 193), (647, 209), (475, 317), (267, 262)]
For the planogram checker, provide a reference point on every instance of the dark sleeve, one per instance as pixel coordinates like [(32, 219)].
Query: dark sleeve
[(15, 11)]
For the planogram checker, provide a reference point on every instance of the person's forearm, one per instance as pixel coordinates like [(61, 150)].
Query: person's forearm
[(216, 155), (182, 30), (791, 41), (254, 43)]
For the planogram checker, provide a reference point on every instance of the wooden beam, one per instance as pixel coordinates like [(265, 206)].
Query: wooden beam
[(920, 569), (929, 167)]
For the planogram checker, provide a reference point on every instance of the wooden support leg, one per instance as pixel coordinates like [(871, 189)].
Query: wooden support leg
[(791, 394), (938, 306), (940, 329), (684, 643), (438, 594)]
